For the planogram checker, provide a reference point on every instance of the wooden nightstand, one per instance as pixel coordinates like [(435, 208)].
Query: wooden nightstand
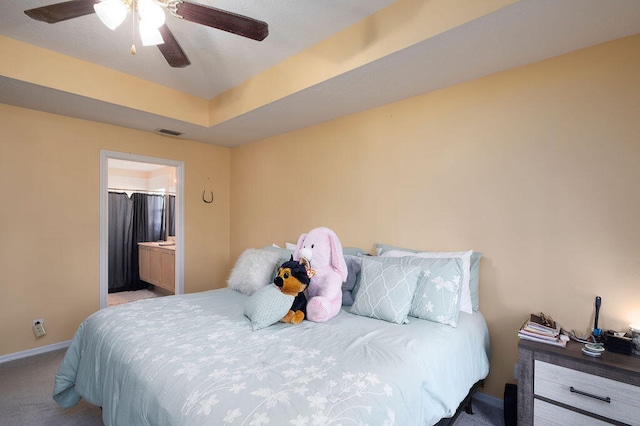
[(562, 386)]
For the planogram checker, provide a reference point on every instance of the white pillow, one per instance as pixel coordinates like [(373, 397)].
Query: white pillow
[(254, 269), (465, 293)]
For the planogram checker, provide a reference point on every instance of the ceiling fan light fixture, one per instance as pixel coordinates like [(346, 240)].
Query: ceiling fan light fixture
[(151, 13), (150, 21), (111, 12), (149, 34)]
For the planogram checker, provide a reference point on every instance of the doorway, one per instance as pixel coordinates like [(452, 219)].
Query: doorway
[(137, 162)]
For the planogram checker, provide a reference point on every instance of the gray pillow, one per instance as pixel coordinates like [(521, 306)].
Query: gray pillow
[(352, 251), (267, 306), (354, 265), (285, 254), (474, 280), (386, 290)]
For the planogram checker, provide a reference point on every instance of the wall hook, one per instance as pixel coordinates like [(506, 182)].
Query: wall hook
[(207, 194)]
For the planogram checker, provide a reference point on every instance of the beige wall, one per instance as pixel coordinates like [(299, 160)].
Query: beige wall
[(49, 216), (537, 167)]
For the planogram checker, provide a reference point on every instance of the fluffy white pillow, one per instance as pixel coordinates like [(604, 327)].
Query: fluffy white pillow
[(465, 292), (254, 270)]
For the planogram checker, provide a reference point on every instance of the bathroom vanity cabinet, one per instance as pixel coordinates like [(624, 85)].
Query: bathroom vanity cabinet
[(157, 265)]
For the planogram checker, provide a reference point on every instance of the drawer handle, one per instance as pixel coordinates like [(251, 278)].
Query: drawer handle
[(590, 395)]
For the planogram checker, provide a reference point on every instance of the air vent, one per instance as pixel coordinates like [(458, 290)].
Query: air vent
[(168, 132)]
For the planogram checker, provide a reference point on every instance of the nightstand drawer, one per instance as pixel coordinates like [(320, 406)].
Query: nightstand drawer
[(546, 414), (595, 394)]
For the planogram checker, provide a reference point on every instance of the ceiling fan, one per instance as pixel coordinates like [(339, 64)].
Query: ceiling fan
[(151, 15)]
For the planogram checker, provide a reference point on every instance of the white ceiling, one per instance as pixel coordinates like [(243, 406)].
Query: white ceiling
[(525, 32), (219, 60)]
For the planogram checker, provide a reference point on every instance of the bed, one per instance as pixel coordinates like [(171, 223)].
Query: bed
[(195, 359)]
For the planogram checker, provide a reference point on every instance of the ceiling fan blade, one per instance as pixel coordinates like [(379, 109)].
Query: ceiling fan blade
[(171, 50), (223, 20), (62, 11)]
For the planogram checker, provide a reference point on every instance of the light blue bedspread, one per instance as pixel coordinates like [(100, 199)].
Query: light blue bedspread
[(193, 360)]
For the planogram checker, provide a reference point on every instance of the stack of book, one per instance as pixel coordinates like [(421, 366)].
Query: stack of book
[(539, 328)]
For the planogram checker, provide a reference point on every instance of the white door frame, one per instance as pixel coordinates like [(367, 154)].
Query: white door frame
[(104, 217)]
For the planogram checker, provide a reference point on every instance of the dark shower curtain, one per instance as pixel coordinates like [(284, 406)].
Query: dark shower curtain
[(120, 228), (172, 215), (132, 220)]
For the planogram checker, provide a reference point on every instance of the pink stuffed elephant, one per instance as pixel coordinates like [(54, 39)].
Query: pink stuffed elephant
[(322, 248)]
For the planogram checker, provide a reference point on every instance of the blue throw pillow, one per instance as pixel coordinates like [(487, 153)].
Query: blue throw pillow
[(437, 294), (267, 306), (474, 272), (386, 290)]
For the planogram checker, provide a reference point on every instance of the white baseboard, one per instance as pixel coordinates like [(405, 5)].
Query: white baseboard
[(34, 351), (489, 400)]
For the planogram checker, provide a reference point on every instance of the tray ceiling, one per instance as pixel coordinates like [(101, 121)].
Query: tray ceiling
[(389, 64)]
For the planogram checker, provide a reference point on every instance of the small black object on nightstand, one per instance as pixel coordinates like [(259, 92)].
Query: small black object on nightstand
[(618, 344)]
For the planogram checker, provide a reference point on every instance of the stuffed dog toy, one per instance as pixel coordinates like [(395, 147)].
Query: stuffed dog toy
[(323, 250), (292, 279)]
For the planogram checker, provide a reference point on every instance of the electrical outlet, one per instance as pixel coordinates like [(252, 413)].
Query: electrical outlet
[(38, 328)]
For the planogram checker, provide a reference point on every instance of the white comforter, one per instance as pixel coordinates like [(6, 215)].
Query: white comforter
[(193, 360)]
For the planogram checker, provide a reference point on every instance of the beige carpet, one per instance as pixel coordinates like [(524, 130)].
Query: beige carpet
[(130, 296), (26, 389)]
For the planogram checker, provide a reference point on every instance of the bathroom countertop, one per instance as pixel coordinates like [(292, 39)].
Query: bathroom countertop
[(160, 244)]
